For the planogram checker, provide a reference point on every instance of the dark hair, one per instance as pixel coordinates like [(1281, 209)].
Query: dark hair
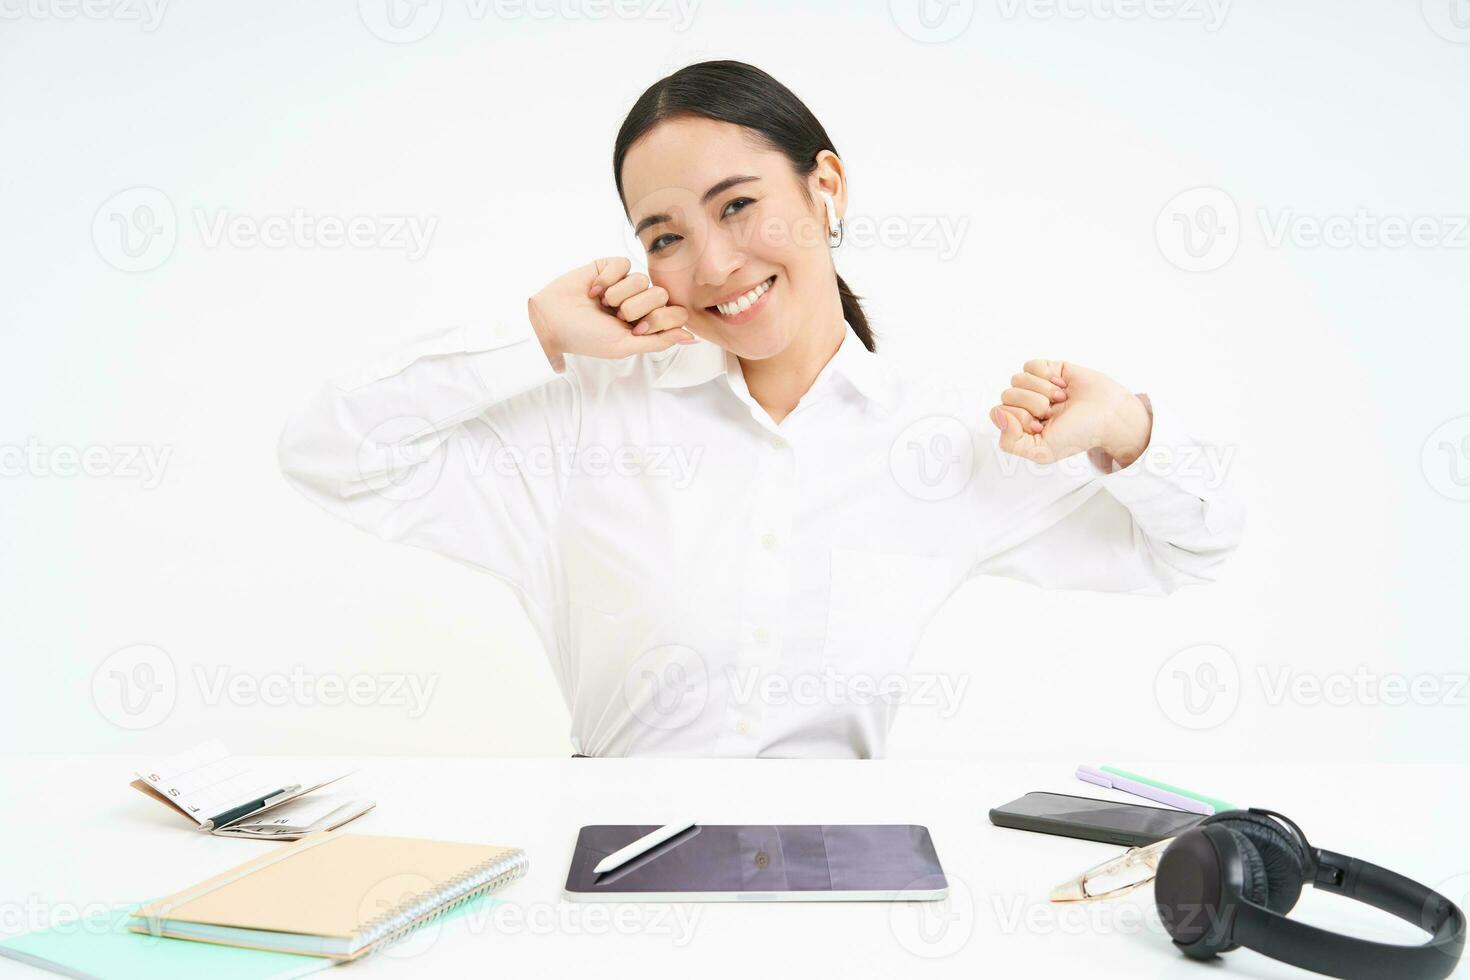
[(734, 92)]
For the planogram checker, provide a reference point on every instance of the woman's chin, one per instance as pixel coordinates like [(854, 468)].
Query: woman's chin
[(754, 343)]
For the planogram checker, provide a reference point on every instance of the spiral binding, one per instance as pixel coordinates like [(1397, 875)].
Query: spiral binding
[(393, 924)]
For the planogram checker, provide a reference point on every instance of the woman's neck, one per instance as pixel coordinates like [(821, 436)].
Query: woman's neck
[(777, 383)]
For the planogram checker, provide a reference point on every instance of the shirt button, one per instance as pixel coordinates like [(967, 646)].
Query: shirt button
[(777, 442), (762, 860), (761, 634), (742, 728), (769, 540)]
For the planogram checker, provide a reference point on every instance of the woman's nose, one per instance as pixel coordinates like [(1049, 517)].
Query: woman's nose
[(718, 260)]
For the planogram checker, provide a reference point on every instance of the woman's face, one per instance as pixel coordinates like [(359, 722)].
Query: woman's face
[(719, 217)]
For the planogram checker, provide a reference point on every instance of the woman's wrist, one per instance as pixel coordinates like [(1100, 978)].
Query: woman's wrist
[(1129, 435), (546, 336)]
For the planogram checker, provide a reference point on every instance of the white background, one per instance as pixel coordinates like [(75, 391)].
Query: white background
[(1053, 139)]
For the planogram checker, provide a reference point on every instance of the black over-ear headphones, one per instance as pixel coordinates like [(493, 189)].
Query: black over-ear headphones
[(1229, 881)]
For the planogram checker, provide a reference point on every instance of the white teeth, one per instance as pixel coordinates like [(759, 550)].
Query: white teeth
[(745, 302)]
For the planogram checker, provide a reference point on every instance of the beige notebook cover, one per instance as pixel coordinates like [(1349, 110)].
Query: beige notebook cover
[(353, 891)]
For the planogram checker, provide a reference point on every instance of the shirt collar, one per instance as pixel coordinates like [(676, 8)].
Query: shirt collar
[(686, 365)]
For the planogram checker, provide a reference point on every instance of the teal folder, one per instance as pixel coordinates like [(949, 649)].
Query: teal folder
[(102, 947)]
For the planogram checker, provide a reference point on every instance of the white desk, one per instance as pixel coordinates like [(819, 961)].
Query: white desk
[(75, 834)]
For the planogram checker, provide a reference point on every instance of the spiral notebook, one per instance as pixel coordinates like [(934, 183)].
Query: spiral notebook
[(331, 894)]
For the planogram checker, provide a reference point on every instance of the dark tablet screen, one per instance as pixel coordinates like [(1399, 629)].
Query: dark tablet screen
[(762, 858)]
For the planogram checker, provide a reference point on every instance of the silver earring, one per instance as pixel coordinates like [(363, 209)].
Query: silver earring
[(834, 237)]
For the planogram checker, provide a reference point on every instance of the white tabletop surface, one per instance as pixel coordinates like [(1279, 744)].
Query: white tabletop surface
[(75, 835)]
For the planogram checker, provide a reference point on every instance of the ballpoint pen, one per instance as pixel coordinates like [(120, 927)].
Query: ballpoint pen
[(245, 809)]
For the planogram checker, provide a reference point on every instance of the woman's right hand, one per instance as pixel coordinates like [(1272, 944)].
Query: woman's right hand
[(602, 309)]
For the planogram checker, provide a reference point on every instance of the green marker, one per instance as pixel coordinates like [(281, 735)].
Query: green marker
[(1219, 805)]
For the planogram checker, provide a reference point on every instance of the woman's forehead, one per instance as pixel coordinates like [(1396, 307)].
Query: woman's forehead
[(685, 156)]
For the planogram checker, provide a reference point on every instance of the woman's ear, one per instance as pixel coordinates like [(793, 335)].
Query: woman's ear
[(828, 178)]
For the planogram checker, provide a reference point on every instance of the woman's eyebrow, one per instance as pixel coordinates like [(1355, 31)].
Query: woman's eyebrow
[(717, 189)]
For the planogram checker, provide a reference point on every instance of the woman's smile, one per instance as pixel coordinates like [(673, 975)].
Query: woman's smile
[(744, 306)]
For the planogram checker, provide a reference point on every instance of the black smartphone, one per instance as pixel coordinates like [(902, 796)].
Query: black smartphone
[(1090, 819)]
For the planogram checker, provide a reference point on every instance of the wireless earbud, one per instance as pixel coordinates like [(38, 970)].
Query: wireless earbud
[(834, 223)]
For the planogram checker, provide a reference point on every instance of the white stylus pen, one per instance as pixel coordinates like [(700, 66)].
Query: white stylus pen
[(642, 845)]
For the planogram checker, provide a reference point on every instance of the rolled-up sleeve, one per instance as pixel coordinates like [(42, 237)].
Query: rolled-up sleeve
[(1168, 519)]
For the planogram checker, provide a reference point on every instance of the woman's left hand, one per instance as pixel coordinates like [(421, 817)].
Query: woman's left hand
[(1055, 409)]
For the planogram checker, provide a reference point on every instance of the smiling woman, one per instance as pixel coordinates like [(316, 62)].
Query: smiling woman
[(764, 597), (749, 258)]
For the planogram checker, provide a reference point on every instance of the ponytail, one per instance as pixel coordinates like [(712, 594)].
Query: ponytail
[(852, 312)]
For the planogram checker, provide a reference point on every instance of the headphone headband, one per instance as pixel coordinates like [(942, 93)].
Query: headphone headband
[(1335, 954), (1213, 852)]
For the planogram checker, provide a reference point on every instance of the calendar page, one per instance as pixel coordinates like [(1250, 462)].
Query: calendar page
[(207, 781)]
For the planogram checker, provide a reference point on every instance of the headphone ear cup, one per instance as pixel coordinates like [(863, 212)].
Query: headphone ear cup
[(1255, 886), (1280, 853), (1189, 891)]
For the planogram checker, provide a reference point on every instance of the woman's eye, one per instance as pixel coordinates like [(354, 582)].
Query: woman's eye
[(742, 201), (659, 243)]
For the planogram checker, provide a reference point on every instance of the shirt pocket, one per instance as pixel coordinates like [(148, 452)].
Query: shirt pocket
[(878, 606)]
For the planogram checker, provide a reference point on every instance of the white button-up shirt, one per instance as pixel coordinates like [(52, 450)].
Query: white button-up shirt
[(707, 582)]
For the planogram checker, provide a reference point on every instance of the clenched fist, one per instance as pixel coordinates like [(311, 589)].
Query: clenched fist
[(1055, 409), (603, 309)]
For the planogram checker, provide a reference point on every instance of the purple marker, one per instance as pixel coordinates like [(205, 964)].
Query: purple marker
[(1097, 777)]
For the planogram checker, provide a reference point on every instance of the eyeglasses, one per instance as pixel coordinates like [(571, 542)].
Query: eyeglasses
[(1119, 876)]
